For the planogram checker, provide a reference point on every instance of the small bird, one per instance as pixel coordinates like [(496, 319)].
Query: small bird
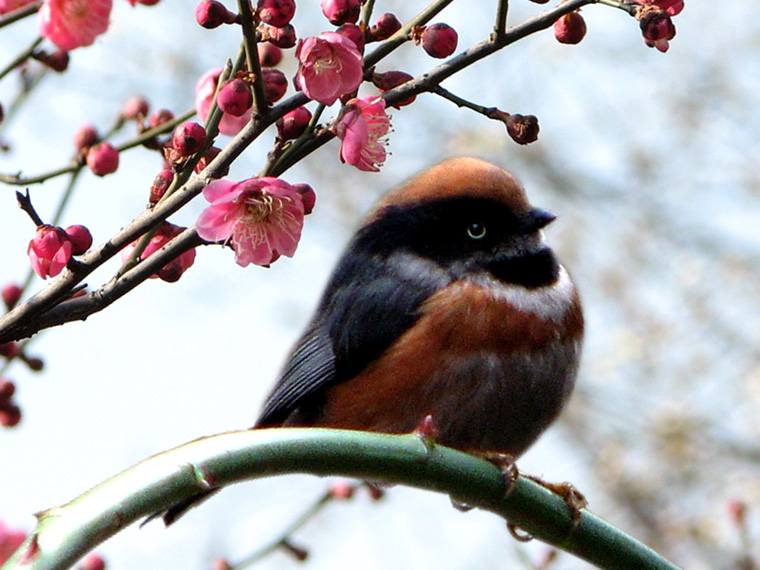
[(448, 303)]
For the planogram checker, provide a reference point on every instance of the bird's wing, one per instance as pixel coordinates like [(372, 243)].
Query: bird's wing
[(368, 304)]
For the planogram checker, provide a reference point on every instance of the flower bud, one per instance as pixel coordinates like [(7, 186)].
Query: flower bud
[(10, 415), (523, 129), (387, 24), (276, 12), (135, 108), (11, 294), (439, 40), (160, 185), (235, 97), (353, 33), (35, 364), (85, 136), (657, 28), (275, 84), (211, 14), (57, 61), (159, 118), (7, 389), (9, 350), (93, 562), (342, 490), (341, 11), (49, 251), (269, 54), (81, 239), (390, 80), (103, 159), (570, 28), (188, 138), (282, 36), (292, 125), (308, 196)]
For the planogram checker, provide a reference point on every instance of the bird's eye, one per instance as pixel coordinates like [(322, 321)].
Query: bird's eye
[(476, 230)]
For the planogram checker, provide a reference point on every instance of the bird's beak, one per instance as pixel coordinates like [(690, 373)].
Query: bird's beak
[(535, 219)]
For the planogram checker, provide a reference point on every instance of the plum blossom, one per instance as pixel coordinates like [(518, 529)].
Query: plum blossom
[(10, 539), (331, 66), (172, 271), (204, 96), (49, 251), (361, 130), (260, 218), (71, 24)]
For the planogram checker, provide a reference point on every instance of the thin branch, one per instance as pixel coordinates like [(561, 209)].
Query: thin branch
[(252, 55), (501, 18), (64, 534), (20, 58), (20, 13)]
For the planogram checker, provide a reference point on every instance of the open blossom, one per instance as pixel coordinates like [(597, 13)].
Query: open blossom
[(172, 271), (49, 251), (361, 130), (71, 24), (331, 66), (204, 96), (261, 218)]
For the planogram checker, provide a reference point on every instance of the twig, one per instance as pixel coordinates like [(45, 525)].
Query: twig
[(501, 18), (252, 55), (25, 203), (20, 58), (20, 13)]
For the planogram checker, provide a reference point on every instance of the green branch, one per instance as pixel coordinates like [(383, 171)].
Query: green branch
[(64, 534)]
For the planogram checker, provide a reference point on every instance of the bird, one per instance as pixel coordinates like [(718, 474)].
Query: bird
[(447, 303)]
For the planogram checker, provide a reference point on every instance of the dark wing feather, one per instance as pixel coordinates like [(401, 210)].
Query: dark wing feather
[(368, 304)]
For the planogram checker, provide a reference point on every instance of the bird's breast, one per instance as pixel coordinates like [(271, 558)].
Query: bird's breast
[(492, 363)]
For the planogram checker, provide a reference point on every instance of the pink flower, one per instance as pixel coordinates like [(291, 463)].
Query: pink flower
[(657, 29), (204, 96), (11, 5), (49, 251), (261, 218), (71, 24), (331, 66), (10, 539), (361, 130), (172, 271), (671, 7)]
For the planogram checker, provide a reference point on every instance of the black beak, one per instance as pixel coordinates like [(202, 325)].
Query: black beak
[(535, 219)]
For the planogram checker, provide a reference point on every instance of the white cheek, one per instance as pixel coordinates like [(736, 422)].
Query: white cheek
[(551, 302)]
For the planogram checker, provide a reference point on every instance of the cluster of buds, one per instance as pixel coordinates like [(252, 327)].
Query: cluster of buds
[(52, 247)]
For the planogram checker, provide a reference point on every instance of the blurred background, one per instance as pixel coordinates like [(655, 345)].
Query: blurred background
[(649, 159)]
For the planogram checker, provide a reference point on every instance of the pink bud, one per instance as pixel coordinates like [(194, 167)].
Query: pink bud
[(7, 389), (135, 108), (439, 40), (275, 84), (85, 136), (159, 118), (341, 11), (269, 54), (342, 490), (353, 33), (283, 36), (657, 28), (386, 25), (10, 416), (49, 251), (160, 185), (276, 12), (570, 28), (9, 350), (308, 197), (390, 80), (93, 562), (188, 138), (103, 159), (211, 14), (292, 125), (11, 294), (81, 239), (235, 97)]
